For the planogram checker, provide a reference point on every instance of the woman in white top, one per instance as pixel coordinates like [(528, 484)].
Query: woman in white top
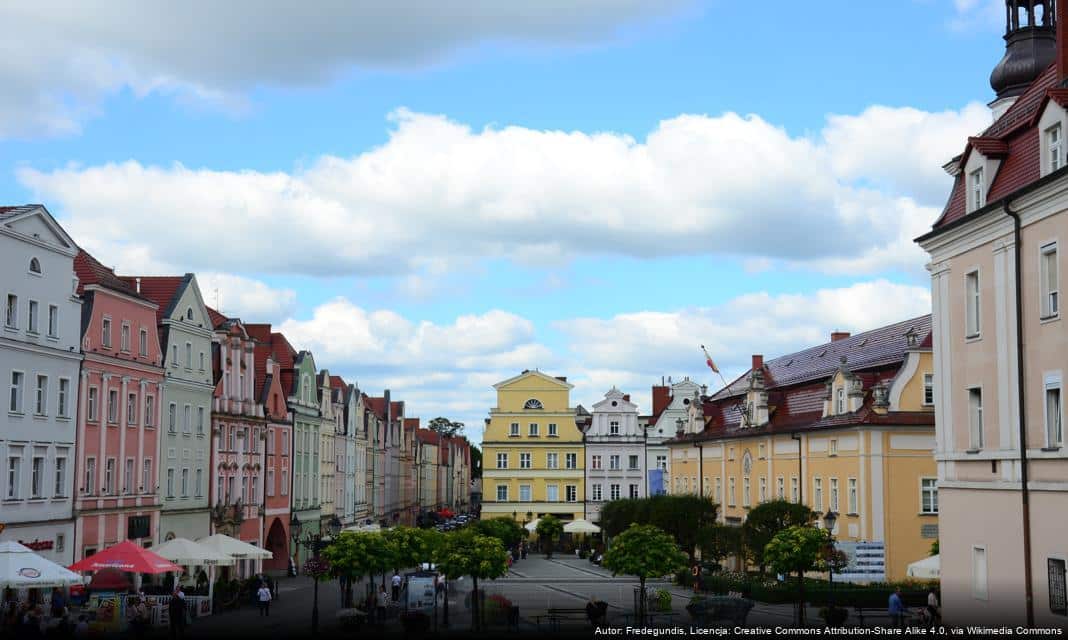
[(264, 595)]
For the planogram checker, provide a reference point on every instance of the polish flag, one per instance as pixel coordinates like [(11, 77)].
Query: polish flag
[(708, 360)]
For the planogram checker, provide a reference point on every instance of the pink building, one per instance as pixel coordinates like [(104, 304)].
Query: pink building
[(117, 495)]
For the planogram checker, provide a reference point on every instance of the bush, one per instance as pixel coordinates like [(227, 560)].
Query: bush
[(662, 598)]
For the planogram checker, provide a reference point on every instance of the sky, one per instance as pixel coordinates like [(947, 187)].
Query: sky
[(434, 196)]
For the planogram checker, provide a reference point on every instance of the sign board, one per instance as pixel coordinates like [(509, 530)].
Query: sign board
[(421, 591)]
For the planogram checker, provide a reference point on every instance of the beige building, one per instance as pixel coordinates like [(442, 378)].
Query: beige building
[(1001, 346)]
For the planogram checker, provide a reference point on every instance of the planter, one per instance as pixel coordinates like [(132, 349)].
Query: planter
[(835, 617)]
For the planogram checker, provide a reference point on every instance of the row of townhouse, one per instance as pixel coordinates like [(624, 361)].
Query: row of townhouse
[(134, 411)]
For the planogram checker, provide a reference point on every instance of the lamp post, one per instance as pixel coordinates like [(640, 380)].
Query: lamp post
[(314, 543), (294, 532), (829, 520)]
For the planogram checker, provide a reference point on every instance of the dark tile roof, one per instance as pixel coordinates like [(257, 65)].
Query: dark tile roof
[(12, 211), (377, 406), (90, 271), (163, 290)]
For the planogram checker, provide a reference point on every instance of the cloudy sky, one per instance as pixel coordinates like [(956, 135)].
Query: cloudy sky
[(433, 196)]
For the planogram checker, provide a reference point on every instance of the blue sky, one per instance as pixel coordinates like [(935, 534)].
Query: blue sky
[(433, 200)]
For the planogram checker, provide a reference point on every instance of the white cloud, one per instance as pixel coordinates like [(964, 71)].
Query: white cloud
[(972, 15), (59, 59), (438, 192), (246, 298)]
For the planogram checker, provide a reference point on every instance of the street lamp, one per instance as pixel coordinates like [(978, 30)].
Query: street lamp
[(829, 520), (334, 526)]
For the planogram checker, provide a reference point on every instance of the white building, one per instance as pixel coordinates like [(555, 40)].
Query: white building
[(671, 404), (615, 453), (40, 357)]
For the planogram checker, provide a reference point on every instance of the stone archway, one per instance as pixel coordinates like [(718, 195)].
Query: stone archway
[(278, 544)]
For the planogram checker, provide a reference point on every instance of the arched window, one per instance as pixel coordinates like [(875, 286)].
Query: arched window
[(35, 265), (189, 314), (533, 404)]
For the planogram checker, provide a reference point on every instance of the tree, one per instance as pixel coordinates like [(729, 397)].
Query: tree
[(410, 547), (467, 553), (446, 427), (719, 541), (644, 551), (768, 518), (797, 549), (549, 530), (353, 556), (507, 530), (685, 517)]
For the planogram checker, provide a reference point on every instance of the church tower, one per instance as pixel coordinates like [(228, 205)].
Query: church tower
[(1030, 47)]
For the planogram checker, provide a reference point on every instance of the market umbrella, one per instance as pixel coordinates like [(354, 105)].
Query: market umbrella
[(109, 580), (184, 551), (21, 568), (126, 556), (533, 526), (929, 568), (235, 548), (581, 526)]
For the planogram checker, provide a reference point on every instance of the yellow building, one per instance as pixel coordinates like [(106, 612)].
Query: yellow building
[(847, 427), (532, 451)]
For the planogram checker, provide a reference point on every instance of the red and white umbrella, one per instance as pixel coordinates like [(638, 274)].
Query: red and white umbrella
[(126, 556)]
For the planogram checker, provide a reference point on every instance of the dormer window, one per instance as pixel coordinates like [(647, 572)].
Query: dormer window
[(977, 196), (1053, 147), (840, 401)]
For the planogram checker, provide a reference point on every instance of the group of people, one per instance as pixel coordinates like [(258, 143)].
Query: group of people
[(33, 619), (932, 613)]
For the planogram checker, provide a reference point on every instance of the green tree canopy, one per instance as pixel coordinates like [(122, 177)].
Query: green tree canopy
[(797, 549), (355, 555), (549, 529), (507, 530), (719, 541), (684, 517), (446, 427), (644, 551), (468, 553), (768, 518), (409, 547)]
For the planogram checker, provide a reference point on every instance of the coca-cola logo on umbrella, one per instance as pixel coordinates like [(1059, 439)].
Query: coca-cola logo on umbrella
[(29, 572)]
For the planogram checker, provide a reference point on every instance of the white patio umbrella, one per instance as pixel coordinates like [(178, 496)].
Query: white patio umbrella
[(21, 568), (235, 548), (533, 525), (929, 568), (185, 551), (364, 528), (581, 526)]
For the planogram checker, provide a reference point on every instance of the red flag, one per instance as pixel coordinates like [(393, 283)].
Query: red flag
[(708, 360)]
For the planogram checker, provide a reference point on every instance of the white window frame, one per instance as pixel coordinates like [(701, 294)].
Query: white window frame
[(53, 321), (33, 317), (552, 430), (63, 398), (763, 490), (552, 460), (977, 189), (928, 389), (747, 486), (633, 462), (529, 493), (502, 493), (146, 477), (105, 332), (973, 305), (613, 462), (833, 506), (854, 497), (13, 474), (929, 490), (614, 491), (124, 337), (17, 392), (1053, 425), (732, 487), (113, 406), (109, 477), (40, 395), (980, 588), (11, 311), (596, 492), (532, 430), (142, 343), (571, 493), (170, 483), (1049, 292), (795, 486), (571, 461), (1054, 137), (131, 408), (37, 472), (90, 475), (832, 447), (525, 460), (502, 460), (780, 488), (613, 427), (976, 437), (187, 419), (595, 462), (817, 493)]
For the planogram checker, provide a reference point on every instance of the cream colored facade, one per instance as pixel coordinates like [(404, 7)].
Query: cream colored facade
[(532, 451)]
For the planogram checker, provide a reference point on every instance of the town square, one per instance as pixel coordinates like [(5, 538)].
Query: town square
[(533, 318)]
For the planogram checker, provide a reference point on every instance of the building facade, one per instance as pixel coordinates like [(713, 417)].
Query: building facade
[(845, 427), (40, 357), (535, 452), (119, 413), (330, 424), (1000, 343), (615, 453), (428, 463), (185, 334), (299, 383), (346, 399)]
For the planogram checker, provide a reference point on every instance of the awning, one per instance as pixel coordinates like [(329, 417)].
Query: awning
[(929, 568), (235, 548), (364, 528), (21, 568), (581, 526), (126, 556), (533, 526), (185, 551)]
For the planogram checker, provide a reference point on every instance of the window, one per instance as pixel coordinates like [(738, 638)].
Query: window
[(514, 430), (63, 404), (109, 477), (853, 508), (131, 409), (840, 401), (597, 495), (200, 426), (719, 490), (150, 410), (170, 483), (928, 495), (780, 488), (763, 489), (524, 493), (571, 460), (613, 462), (795, 489), (53, 321), (113, 405), (199, 485), (524, 460), (745, 492), (14, 473), (40, 403), (730, 453), (233, 440), (760, 451), (632, 462), (147, 486), (1049, 282), (172, 418), (1054, 415), (731, 501), (633, 491), (977, 198), (201, 360), (817, 494), (661, 463), (142, 345), (105, 332), (11, 316), (979, 589), (832, 447), (552, 461), (1058, 590), (613, 492), (34, 324), (975, 417), (834, 495), (571, 493), (502, 460), (533, 429), (928, 389), (185, 483), (285, 482), (189, 355), (502, 493), (37, 476), (15, 402), (90, 476), (35, 266), (613, 428), (60, 488), (92, 401), (595, 462), (552, 430), (1053, 147), (532, 404), (187, 419), (174, 355), (124, 337), (971, 293)]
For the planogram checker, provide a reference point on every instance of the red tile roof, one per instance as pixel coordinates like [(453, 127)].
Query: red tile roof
[(337, 383), (411, 424), (396, 409), (428, 436), (261, 332), (90, 271), (160, 289), (377, 406), (216, 317)]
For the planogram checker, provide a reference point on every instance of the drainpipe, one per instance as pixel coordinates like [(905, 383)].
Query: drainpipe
[(700, 467), (1025, 495), (800, 476)]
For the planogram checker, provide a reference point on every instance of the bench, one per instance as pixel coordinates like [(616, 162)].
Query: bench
[(556, 615), (732, 608)]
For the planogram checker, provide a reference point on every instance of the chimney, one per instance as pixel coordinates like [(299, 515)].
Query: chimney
[(137, 282), (839, 335), (626, 397), (661, 399), (758, 362), (1061, 20)]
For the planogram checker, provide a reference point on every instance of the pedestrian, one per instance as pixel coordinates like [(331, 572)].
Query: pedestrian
[(396, 582), (264, 596), (81, 630), (695, 571), (139, 619), (59, 604), (176, 613), (897, 609), (934, 613), (382, 603)]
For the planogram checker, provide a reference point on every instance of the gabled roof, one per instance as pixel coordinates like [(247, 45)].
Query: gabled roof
[(91, 272), (377, 406), (428, 436), (10, 215), (217, 319), (411, 424), (558, 380), (163, 290)]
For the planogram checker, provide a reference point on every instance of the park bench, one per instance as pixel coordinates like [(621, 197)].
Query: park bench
[(732, 608), (557, 615)]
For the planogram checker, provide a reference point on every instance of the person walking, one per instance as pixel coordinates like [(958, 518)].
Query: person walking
[(934, 613), (897, 609), (695, 571), (381, 604), (176, 613), (396, 582), (139, 617), (264, 597)]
